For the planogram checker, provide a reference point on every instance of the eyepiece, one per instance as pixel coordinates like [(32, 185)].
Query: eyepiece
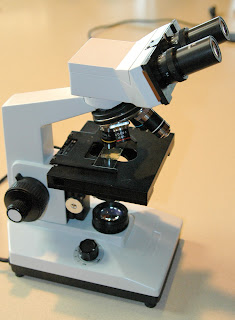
[(175, 64), (198, 55), (216, 50), (216, 28)]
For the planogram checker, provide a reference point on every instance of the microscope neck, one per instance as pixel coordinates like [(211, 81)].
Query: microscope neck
[(101, 103)]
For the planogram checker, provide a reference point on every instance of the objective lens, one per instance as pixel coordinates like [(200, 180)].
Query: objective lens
[(153, 122), (121, 131), (108, 137), (110, 217), (138, 124)]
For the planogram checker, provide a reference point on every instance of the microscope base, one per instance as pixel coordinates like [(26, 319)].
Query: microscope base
[(132, 264), (149, 301)]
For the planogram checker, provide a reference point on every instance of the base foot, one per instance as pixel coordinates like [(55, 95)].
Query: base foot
[(19, 275), (150, 304)]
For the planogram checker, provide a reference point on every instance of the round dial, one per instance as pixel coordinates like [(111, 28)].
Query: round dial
[(88, 250)]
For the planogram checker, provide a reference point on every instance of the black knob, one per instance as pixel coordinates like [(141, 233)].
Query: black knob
[(17, 210), (26, 199), (88, 250)]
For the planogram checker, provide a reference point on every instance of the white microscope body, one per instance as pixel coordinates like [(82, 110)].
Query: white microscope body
[(132, 263)]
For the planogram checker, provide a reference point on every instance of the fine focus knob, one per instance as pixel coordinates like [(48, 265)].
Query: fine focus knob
[(17, 211), (88, 250), (26, 199)]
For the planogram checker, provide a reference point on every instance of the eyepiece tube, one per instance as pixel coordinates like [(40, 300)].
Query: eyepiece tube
[(198, 55), (175, 64), (216, 28)]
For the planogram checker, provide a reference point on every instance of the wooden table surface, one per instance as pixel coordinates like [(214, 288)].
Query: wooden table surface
[(197, 182)]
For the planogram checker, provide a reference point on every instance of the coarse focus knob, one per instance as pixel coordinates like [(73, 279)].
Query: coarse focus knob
[(26, 199), (88, 250)]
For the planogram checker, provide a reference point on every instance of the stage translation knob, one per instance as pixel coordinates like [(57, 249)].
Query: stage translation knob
[(26, 199), (88, 250)]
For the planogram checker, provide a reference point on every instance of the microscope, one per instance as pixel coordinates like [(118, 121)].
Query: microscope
[(79, 215)]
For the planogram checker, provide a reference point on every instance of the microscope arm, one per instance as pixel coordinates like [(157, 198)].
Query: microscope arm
[(27, 119)]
